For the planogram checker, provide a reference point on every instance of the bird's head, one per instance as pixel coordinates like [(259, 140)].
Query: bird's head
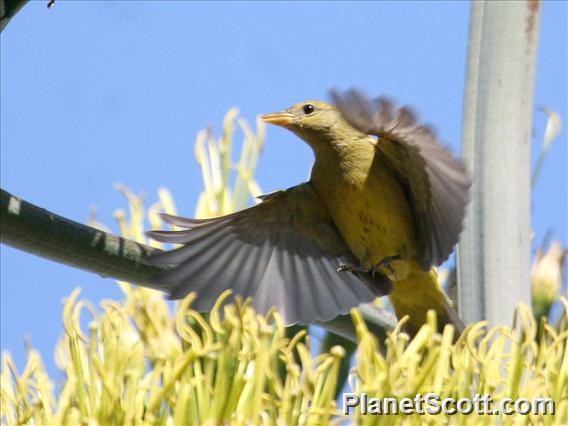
[(317, 123)]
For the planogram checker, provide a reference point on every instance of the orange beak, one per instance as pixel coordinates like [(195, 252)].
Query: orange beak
[(283, 119)]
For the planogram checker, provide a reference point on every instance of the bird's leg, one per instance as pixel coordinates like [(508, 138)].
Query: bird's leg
[(387, 263), (351, 268)]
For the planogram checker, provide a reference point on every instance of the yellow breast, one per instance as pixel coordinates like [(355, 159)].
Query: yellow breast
[(371, 211)]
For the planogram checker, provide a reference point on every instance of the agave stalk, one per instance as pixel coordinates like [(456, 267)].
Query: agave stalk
[(494, 253)]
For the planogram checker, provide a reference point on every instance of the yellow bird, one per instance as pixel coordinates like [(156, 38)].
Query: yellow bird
[(384, 204)]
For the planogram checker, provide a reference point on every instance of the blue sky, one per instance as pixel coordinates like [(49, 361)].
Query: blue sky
[(94, 93)]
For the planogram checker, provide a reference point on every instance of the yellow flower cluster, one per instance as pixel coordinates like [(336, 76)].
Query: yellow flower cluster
[(138, 364)]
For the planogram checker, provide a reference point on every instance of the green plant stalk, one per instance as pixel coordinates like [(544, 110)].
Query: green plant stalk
[(8, 9), (493, 268), (329, 341), (35, 230)]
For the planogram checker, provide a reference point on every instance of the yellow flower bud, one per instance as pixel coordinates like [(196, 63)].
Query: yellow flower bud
[(546, 278)]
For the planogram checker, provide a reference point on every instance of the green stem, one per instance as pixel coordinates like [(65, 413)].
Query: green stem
[(40, 232), (8, 8), (378, 320)]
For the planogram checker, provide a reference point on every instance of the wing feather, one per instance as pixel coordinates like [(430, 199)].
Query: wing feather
[(283, 252), (436, 182)]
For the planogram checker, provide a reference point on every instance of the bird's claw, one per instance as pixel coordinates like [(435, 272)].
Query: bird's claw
[(350, 268), (387, 263)]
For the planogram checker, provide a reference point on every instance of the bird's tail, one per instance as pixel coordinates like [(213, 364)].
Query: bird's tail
[(417, 294)]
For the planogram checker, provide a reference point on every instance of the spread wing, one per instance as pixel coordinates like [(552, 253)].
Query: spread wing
[(436, 182), (283, 252)]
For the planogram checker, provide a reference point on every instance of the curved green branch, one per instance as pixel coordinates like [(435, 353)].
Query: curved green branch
[(40, 232), (9, 8)]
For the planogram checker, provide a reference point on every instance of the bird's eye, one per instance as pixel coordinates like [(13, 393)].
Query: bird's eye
[(308, 109)]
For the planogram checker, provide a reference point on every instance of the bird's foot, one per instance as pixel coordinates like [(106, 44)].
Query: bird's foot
[(351, 268), (386, 262)]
